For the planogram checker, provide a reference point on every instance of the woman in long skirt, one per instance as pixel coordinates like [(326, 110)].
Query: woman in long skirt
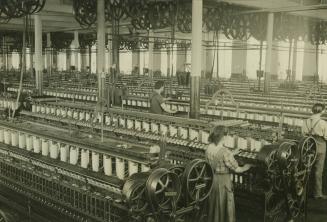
[(221, 159)]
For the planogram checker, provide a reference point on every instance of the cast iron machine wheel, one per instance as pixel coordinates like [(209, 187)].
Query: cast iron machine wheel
[(134, 192), (163, 189), (198, 180)]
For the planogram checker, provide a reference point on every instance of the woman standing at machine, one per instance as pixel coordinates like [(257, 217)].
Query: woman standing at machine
[(221, 159)]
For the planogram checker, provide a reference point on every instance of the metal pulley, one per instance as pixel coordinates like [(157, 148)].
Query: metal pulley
[(178, 169), (134, 192), (163, 189), (308, 151), (288, 155), (198, 179)]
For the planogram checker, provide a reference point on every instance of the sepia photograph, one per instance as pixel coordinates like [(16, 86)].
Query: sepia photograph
[(163, 110)]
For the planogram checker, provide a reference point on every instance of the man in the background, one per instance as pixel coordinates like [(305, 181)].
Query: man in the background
[(317, 128), (157, 101)]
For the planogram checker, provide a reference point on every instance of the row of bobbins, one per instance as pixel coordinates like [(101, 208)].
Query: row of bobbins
[(72, 154), (250, 144), (225, 113), (172, 131), (71, 95)]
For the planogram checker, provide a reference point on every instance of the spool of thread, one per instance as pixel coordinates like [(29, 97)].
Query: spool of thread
[(36, 144), (33, 108), (14, 138), (99, 117), (38, 108), (154, 128), (145, 168), (194, 134), (47, 110), (132, 167), (43, 109), (146, 126), (107, 120), (7, 135), (22, 141), (45, 147), (53, 110), (58, 111), (85, 158), (95, 161), (138, 125), (54, 151), (75, 114), (204, 137), (107, 165), (88, 98), (64, 151), (80, 97), (69, 113), (163, 129), (1, 103), (122, 122), (63, 112), (73, 155), (130, 124), (173, 131), (29, 142), (183, 132), (87, 116), (2, 135), (82, 116), (84, 97), (241, 143), (120, 168)]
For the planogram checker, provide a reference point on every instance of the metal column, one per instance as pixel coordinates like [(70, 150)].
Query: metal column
[(196, 57), (101, 52), (38, 54), (270, 29)]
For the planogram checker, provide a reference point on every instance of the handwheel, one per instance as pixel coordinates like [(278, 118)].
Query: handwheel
[(308, 148), (198, 179), (163, 189)]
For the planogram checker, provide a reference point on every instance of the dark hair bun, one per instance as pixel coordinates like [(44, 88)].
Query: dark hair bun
[(318, 108)]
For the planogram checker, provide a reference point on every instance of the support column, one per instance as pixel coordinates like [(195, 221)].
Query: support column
[(151, 49), (196, 57), (209, 58), (9, 60), (49, 55), (68, 58), (294, 62), (274, 62), (168, 62), (309, 62), (83, 60), (157, 61), (54, 54), (76, 51), (38, 54), (239, 57), (181, 58), (270, 29), (136, 61), (115, 46), (101, 53)]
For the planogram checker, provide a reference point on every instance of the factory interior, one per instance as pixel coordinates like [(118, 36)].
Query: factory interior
[(163, 110)]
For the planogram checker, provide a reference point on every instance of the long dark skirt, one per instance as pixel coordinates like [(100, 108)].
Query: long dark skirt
[(221, 200)]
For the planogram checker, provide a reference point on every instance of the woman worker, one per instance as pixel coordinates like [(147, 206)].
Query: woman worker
[(221, 159)]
